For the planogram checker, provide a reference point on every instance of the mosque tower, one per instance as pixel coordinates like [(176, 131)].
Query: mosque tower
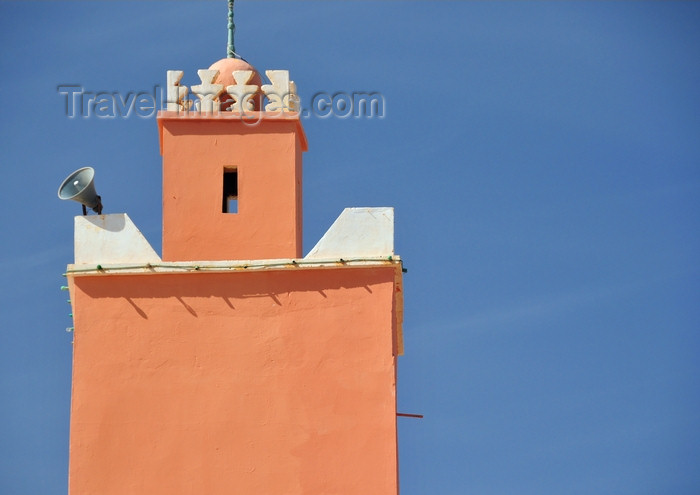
[(234, 364)]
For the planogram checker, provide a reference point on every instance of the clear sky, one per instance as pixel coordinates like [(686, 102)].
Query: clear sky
[(544, 162)]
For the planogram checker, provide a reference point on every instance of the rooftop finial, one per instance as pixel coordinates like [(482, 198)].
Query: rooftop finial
[(231, 49)]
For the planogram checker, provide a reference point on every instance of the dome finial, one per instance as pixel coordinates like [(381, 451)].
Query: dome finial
[(231, 48)]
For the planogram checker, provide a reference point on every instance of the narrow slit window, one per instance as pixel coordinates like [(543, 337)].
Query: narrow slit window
[(230, 201)]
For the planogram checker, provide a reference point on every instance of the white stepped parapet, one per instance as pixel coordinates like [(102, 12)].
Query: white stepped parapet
[(242, 92), (358, 233), (175, 92), (110, 239), (281, 94), (208, 92)]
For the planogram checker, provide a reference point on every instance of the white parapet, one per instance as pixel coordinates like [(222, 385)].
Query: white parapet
[(110, 239), (358, 232), (281, 94)]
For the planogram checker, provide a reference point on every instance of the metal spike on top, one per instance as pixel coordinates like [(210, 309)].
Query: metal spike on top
[(231, 48)]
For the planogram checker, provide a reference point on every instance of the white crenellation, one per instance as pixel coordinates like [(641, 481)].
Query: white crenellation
[(293, 100), (242, 92), (281, 95), (175, 92), (208, 92)]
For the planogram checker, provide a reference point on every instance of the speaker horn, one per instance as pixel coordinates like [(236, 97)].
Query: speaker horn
[(80, 186)]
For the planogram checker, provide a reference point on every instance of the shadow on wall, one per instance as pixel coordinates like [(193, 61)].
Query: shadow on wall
[(233, 288)]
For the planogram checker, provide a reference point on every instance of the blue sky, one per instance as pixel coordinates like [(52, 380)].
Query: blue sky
[(544, 162)]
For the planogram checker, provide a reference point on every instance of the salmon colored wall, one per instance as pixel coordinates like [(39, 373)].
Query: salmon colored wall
[(195, 152), (243, 383)]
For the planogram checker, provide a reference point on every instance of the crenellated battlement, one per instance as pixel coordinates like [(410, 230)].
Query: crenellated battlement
[(210, 97)]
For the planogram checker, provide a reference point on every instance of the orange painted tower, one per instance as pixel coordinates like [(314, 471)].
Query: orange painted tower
[(234, 364)]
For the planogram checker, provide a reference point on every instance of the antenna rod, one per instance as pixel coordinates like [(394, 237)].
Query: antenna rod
[(231, 49)]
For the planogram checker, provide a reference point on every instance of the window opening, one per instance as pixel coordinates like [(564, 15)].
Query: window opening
[(230, 198)]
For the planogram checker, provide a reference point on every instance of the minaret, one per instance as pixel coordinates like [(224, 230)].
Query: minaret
[(233, 365), (232, 180)]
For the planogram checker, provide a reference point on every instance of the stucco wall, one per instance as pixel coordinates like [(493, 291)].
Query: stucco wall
[(267, 382)]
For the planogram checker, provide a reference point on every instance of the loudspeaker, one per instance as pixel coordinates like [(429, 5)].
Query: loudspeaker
[(80, 186)]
